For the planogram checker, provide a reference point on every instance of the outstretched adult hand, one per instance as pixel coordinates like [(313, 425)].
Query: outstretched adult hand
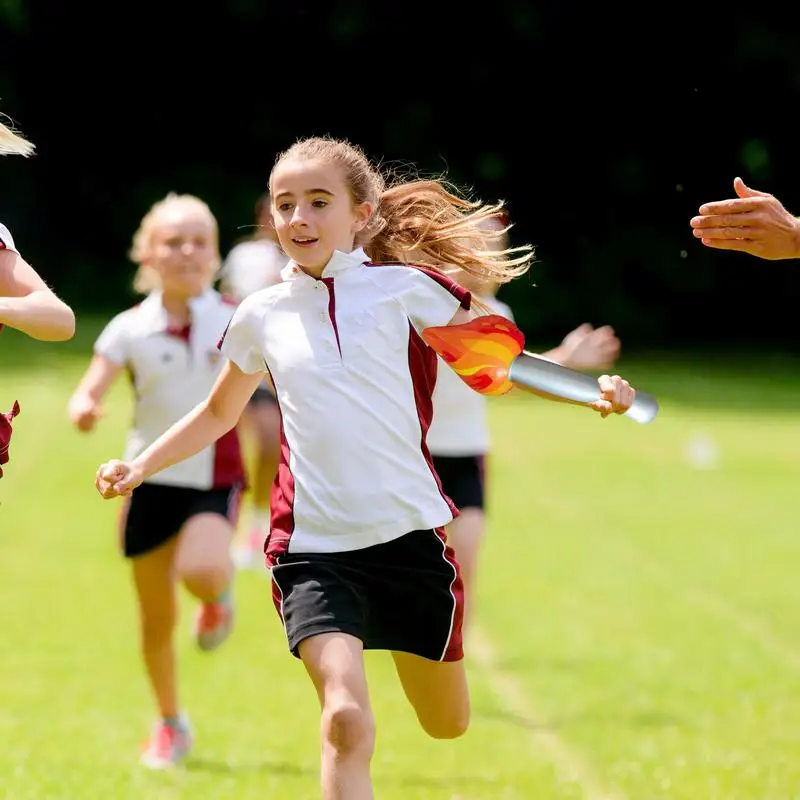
[(753, 222)]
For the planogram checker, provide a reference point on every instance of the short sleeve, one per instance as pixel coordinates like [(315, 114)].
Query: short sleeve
[(241, 341), (251, 266), (6, 240), (114, 342), (432, 299)]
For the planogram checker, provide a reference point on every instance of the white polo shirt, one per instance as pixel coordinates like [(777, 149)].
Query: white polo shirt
[(460, 424), (354, 381), (172, 372), (6, 242), (251, 266)]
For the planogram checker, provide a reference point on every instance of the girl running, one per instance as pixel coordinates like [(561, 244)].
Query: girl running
[(26, 302), (178, 526), (357, 548), (458, 438)]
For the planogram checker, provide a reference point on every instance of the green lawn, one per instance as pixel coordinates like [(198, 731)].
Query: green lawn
[(637, 632)]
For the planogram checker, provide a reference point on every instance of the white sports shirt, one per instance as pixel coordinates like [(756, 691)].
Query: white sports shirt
[(460, 424), (172, 372), (6, 242), (251, 266), (354, 381)]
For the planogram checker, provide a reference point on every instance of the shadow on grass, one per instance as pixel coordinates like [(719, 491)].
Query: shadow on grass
[(220, 767), (285, 768)]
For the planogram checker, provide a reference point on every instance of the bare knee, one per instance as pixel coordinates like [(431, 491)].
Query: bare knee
[(213, 576), (348, 728), (447, 726)]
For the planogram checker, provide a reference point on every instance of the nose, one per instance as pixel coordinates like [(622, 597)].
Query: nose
[(187, 248), (298, 218)]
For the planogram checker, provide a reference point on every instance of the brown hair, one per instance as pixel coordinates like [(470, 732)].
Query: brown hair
[(427, 222)]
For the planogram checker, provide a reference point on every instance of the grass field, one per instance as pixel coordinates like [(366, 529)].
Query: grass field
[(638, 630)]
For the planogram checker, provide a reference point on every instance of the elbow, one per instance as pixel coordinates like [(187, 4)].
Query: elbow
[(66, 328), (223, 421), (61, 327)]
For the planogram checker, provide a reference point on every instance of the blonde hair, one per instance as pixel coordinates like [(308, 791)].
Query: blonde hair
[(13, 143), (146, 279), (427, 220)]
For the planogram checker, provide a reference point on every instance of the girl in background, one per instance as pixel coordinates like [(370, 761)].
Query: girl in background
[(459, 439), (26, 302), (178, 527)]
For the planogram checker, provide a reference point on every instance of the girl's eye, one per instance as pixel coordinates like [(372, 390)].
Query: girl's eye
[(319, 203)]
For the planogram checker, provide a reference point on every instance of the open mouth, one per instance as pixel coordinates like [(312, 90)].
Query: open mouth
[(304, 241)]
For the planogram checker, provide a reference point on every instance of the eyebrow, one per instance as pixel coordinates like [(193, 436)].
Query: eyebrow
[(310, 191)]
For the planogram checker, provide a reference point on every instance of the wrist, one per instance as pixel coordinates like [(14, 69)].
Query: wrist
[(558, 354), (140, 468)]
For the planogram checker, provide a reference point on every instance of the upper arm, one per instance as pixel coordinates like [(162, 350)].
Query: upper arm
[(232, 391), (432, 299), (462, 316), (241, 341), (114, 343), (17, 277)]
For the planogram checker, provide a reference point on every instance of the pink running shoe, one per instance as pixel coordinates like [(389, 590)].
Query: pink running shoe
[(168, 745), (214, 622)]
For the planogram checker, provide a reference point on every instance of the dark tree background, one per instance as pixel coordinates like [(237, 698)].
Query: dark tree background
[(604, 131)]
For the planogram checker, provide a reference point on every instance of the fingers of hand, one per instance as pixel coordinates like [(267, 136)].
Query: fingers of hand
[(105, 488), (741, 245), (602, 406), (744, 232), (738, 220), (109, 479), (616, 395), (736, 206), (604, 351)]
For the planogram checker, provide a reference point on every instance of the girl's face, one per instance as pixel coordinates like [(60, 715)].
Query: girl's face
[(314, 213), (184, 251)]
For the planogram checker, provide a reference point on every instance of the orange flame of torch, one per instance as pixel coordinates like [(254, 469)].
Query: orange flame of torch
[(479, 351)]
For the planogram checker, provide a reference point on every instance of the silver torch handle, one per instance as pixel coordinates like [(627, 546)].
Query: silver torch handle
[(546, 376)]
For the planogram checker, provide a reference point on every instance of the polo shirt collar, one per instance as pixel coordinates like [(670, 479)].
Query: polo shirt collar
[(339, 262), (153, 313)]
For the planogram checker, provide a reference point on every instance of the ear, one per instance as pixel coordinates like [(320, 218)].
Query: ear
[(363, 213)]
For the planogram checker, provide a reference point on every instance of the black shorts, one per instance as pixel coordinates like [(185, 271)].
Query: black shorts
[(405, 595), (155, 513), (263, 395), (462, 479)]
